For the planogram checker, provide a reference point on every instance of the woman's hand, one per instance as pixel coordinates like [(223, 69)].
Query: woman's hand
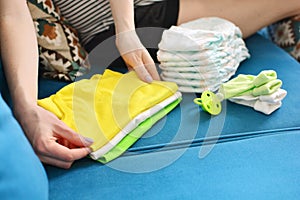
[(136, 56), (128, 43), (54, 142)]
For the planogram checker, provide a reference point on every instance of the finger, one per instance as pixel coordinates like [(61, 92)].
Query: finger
[(60, 152), (63, 142), (142, 73), (55, 162), (130, 68), (150, 66), (66, 143), (71, 136)]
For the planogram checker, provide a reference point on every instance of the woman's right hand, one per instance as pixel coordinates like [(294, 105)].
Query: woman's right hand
[(52, 140)]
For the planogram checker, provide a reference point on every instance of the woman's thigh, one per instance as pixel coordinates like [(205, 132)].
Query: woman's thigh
[(248, 15)]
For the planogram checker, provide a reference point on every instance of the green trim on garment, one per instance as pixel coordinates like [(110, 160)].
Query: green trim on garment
[(137, 133), (264, 83)]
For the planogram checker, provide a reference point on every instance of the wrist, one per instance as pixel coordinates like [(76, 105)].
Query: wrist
[(128, 41), (21, 109), (124, 27)]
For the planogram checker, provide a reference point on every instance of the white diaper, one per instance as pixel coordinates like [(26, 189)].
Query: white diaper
[(201, 54)]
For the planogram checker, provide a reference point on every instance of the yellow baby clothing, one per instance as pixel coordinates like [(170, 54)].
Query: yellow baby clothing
[(134, 135), (106, 106), (140, 118)]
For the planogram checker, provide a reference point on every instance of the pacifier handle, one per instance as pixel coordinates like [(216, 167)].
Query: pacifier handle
[(198, 101), (209, 102)]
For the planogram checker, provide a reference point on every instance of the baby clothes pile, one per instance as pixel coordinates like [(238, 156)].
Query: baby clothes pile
[(201, 54), (114, 109), (262, 92)]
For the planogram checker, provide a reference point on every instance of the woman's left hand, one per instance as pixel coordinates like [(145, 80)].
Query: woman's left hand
[(136, 56)]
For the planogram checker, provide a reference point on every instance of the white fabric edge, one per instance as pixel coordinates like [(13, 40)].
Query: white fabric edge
[(133, 124)]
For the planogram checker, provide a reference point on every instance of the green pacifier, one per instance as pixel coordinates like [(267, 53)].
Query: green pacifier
[(209, 102)]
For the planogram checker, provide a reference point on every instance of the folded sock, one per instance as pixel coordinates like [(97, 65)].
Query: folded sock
[(267, 88), (274, 97), (237, 86), (264, 77), (261, 106), (264, 103), (266, 108), (262, 84)]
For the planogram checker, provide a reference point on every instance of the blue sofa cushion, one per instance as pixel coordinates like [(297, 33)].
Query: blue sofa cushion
[(257, 168), (240, 154), (189, 124), (22, 175)]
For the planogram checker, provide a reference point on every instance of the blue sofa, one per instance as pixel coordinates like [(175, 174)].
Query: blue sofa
[(189, 154)]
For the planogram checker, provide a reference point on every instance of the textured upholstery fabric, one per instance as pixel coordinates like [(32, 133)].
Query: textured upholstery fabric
[(60, 51), (286, 34)]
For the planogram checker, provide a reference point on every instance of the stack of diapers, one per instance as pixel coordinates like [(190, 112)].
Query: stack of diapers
[(262, 92), (201, 54), (113, 109)]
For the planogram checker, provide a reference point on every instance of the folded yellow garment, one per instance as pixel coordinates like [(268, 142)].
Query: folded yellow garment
[(100, 107)]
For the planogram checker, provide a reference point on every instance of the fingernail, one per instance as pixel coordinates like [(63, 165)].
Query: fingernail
[(89, 150), (148, 79), (89, 140)]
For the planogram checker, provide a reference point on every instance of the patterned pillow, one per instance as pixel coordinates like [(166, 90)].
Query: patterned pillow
[(286, 34), (60, 52)]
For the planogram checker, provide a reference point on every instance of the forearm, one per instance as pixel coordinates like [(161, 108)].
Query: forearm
[(19, 52), (128, 43), (126, 38), (123, 14)]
